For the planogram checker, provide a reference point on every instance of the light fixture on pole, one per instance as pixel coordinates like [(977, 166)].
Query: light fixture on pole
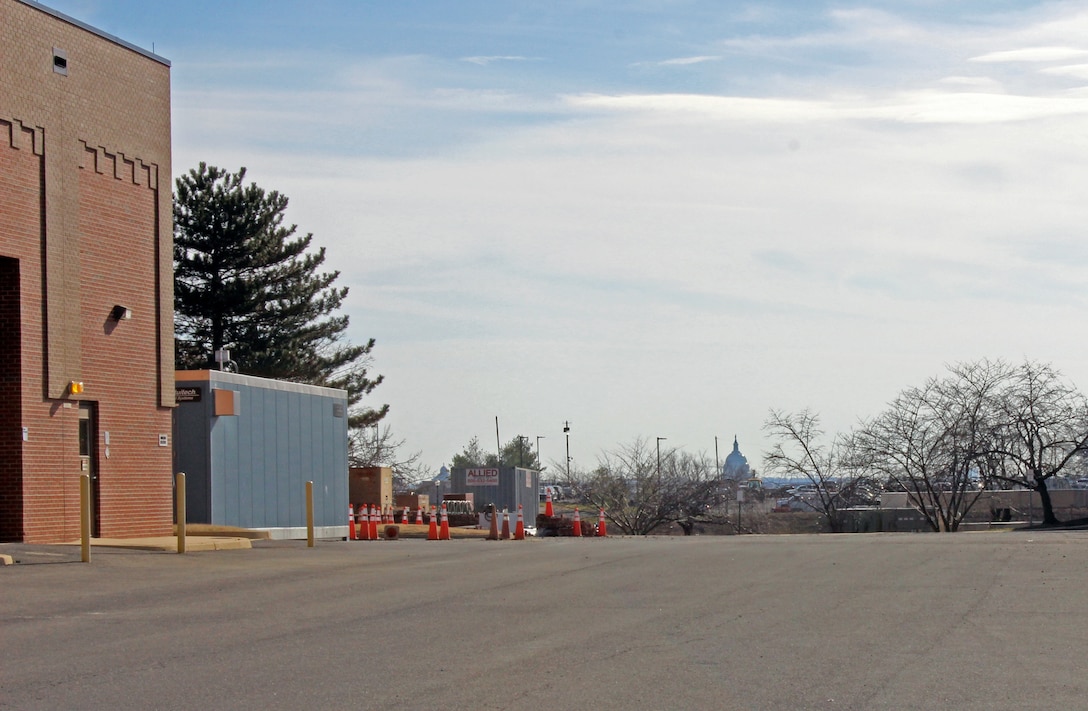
[(222, 357)]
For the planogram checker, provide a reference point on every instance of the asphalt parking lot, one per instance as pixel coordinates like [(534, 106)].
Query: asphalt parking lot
[(881, 621)]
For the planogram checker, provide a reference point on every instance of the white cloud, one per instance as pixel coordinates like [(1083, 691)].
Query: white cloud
[(1032, 54), (982, 84), (1076, 71), (485, 60), (684, 61), (907, 107), (850, 29)]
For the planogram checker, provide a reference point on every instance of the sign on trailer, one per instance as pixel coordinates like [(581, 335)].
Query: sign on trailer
[(482, 477), (190, 394)]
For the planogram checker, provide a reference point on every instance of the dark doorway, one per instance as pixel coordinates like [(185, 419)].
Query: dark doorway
[(11, 395)]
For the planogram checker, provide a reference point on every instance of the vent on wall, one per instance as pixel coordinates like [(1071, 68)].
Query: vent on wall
[(60, 61)]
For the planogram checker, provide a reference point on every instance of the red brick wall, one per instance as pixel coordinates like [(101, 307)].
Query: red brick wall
[(39, 479), (117, 267), (20, 241), (85, 209), (47, 487), (112, 97)]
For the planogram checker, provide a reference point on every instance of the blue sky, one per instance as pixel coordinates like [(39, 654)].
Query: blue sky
[(656, 218)]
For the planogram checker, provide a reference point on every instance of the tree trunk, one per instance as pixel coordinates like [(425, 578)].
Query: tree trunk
[(1049, 519)]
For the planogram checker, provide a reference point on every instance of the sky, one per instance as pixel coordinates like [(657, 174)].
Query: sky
[(655, 218)]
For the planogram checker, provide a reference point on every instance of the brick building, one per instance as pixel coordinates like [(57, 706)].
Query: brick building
[(86, 281)]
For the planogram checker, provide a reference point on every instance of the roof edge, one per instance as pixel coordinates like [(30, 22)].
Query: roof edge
[(94, 30), (213, 377)]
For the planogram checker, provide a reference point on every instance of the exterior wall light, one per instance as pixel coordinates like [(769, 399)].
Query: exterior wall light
[(121, 313), (75, 387)]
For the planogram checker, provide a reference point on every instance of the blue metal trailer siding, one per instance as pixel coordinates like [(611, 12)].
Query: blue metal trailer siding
[(259, 460)]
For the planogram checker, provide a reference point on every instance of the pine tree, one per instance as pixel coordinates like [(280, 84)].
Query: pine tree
[(245, 282), (515, 453)]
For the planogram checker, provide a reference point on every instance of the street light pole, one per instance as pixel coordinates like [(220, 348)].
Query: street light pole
[(538, 438), (566, 431), (659, 455)]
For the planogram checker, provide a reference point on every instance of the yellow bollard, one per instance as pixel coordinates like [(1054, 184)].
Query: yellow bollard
[(179, 488), (309, 514), (85, 516)]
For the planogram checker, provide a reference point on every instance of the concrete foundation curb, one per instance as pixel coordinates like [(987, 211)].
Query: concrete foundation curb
[(170, 543)]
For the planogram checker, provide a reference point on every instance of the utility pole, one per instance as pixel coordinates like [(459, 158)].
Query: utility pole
[(659, 455), (538, 459)]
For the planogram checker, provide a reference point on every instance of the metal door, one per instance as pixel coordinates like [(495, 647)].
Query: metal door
[(88, 460)]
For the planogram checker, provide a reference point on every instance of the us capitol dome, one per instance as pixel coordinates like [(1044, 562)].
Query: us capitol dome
[(736, 464)]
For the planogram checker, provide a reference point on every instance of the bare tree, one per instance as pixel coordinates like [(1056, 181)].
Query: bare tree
[(699, 494), (377, 447), (932, 441), (639, 496), (797, 452), (1041, 431)]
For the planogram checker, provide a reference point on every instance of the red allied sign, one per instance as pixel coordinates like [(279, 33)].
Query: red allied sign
[(482, 477)]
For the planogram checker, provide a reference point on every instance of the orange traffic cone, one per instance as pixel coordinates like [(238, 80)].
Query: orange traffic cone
[(577, 523), (443, 525), (505, 525), (351, 522), (364, 529), (374, 523), (493, 532), (602, 529), (419, 516), (519, 528), (404, 516), (548, 510), (432, 532)]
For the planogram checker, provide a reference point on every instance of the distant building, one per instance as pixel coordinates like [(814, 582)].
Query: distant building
[(438, 486), (506, 487), (736, 464)]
